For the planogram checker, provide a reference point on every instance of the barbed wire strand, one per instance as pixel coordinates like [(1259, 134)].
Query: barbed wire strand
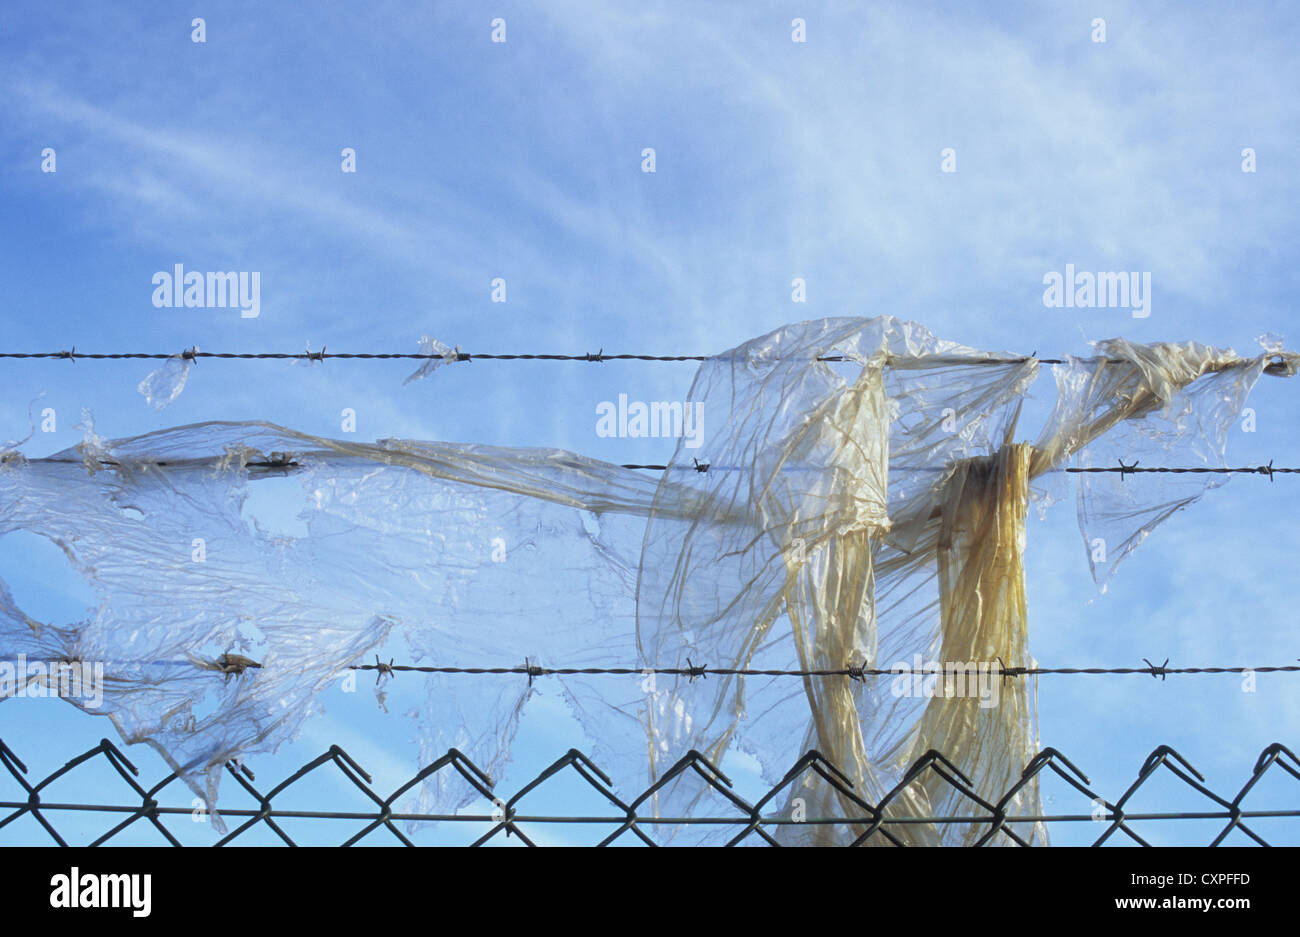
[(1269, 470), (235, 665), (1135, 469), (193, 354), (534, 670), (1277, 363)]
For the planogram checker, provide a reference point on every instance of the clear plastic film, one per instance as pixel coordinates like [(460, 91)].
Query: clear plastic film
[(857, 512), (162, 386), (1164, 404), (814, 575)]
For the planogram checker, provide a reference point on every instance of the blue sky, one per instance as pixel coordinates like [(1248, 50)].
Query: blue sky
[(774, 160)]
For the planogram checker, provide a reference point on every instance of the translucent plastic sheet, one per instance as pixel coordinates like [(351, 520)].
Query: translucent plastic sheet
[(791, 584), (860, 511), (162, 386)]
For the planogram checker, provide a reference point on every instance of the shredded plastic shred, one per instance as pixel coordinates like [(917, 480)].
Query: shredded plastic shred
[(162, 386), (856, 513), (431, 346)]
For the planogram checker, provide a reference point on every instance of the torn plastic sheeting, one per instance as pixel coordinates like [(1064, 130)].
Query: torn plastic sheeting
[(398, 534), (865, 555), (431, 346), (792, 584), (1170, 404), (163, 385)]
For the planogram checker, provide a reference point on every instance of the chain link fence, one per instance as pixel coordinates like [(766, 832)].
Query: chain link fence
[(632, 821)]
